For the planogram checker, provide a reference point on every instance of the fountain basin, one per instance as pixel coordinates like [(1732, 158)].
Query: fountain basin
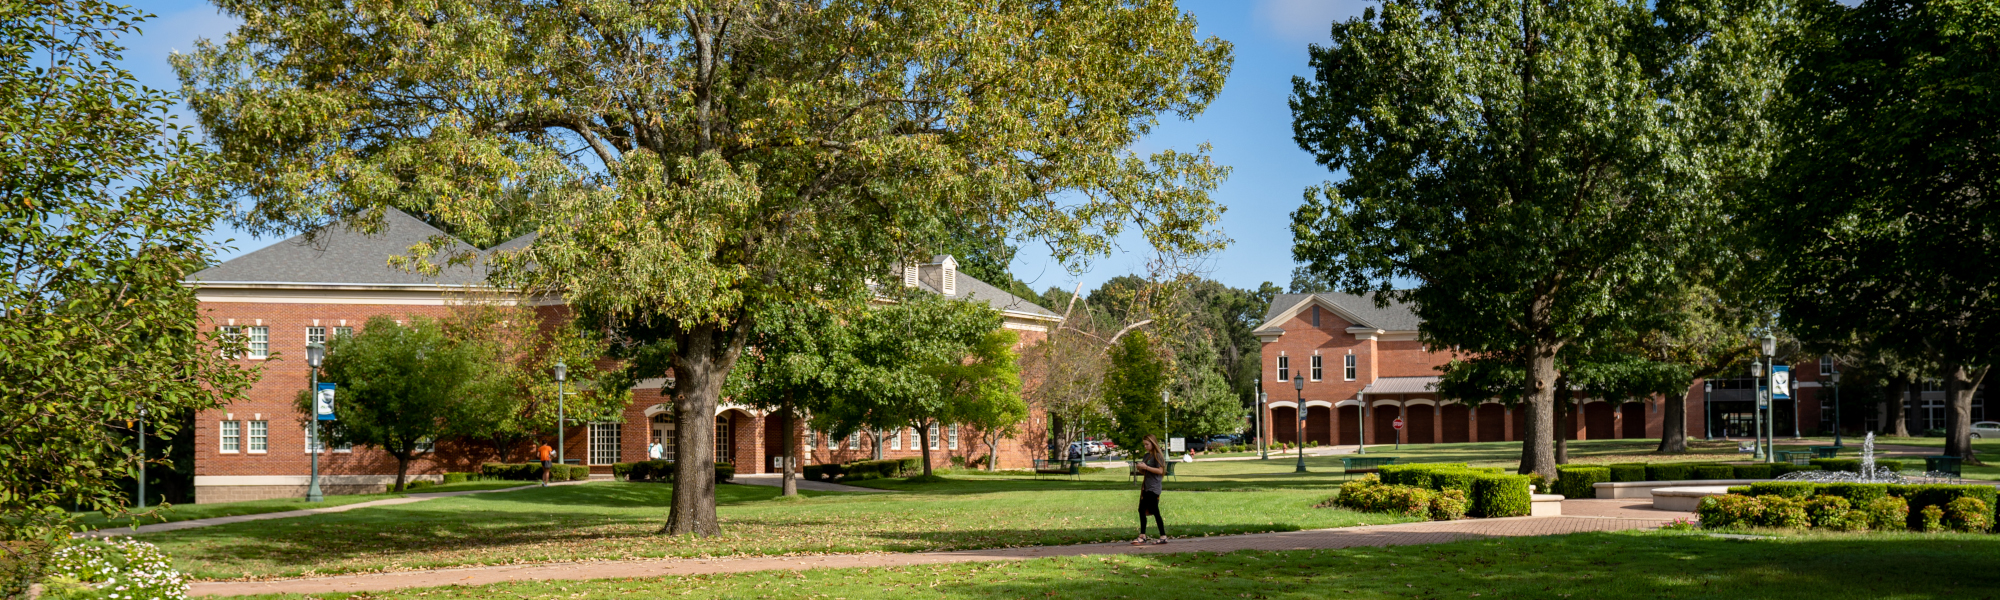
[(1687, 498), (1619, 490)]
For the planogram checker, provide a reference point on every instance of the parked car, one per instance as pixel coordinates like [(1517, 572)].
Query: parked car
[(1986, 429), (1196, 444)]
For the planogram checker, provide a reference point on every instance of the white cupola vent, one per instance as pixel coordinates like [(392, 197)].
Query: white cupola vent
[(910, 276), (950, 276)]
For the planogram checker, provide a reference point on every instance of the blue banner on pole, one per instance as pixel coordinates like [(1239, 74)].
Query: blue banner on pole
[(1781, 382), (323, 402)]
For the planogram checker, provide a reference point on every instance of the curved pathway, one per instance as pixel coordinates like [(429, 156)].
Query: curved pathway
[(213, 521), (1582, 516)]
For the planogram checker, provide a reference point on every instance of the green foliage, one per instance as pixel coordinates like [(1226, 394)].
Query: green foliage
[(1714, 472), (881, 469), (659, 470), (111, 570), (1853, 465), (398, 386), (1752, 471), (1669, 472), (1968, 514), (1371, 494), (1860, 494), (1500, 496), (533, 472), (1887, 513), (1448, 505), (1788, 489), (104, 206), (1930, 520), (1443, 122), (1925, 496), (1783, 512), (1414, 474), (450, 478), (1579, 481), (1132, 387), (1729, 511), (1828, 511), (1628, 472)]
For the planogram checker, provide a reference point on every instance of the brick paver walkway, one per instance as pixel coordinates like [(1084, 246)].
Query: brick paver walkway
[(1597, 515), (213, 521)]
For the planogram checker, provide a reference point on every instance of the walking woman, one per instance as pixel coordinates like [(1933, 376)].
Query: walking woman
[(1154, 469)]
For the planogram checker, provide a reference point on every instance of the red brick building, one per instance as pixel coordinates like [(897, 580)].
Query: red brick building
[(305, 290), (1363, 364)]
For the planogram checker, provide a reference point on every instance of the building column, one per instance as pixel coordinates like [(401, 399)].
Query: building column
[(1507, 423), (1437, 423)]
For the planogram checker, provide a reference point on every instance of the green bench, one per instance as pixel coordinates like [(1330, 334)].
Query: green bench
[(1797, 457), (1365, 464), (1058, 467), (1826, 451), (1950, 465)]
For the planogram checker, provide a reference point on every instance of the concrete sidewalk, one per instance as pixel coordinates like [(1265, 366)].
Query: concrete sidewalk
[(213, 521), (1609, 515), (777, 480)]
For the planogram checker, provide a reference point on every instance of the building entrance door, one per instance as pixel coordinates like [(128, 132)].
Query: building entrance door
[(663, 436)]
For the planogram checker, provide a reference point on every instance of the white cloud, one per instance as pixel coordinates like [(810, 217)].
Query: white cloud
[(1307, 21)]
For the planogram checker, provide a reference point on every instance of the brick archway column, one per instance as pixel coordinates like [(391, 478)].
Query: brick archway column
[(1437, 422), (1507, 423)]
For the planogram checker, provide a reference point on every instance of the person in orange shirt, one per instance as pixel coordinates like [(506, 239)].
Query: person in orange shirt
[(545, 452)]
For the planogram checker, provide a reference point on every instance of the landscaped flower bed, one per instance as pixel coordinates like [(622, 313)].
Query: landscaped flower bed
[(1852, 506), (1440, 490)]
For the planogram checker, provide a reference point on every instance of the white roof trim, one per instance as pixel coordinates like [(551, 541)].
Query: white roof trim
[(1318, 403), (1281, 404), (1294, 311)]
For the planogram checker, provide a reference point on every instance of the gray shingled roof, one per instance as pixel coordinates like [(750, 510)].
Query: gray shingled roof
[(339, 255), (1397, 316), (929, 278)]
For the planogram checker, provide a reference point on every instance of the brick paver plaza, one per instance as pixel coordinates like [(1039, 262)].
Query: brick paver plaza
[(1579, 516)]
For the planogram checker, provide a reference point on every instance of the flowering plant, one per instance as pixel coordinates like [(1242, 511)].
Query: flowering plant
[(113, 570)]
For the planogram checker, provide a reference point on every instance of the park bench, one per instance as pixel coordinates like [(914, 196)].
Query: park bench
[(1826, 451), (1058, 467), (1949, 465), (1132, 470), (1365, 464), (1797, 457)]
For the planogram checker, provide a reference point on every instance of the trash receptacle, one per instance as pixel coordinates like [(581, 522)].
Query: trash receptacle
[(1942, 464)]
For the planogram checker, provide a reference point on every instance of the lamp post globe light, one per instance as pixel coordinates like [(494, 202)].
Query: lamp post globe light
[(1769, 345), (1756, 412), (1836, 406), (1299, 385), (315, 354), (562, 373)]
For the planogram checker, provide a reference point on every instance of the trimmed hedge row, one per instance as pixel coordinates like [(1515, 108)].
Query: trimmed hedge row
[(865, 469), (533, 471), (1918, 497), (1883, 513), (1369, 494), (663, 471), (1853, 465), (1490, 492), (1580, 481), (1621, 472)]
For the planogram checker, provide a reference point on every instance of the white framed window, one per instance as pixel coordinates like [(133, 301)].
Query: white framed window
[(426, 445), (896, 441), (1316, 372), (1284, 368), (1347, 367), (604, 443), (934, 436), (315, 335), (230, 336), (854, 440), (260, 342), (343, 331), (260, 437), (951, 437), (1826, 365), (812, 439), (311, 446), (232, 436)]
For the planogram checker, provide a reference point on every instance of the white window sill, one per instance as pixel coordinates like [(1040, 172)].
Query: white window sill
[(259, 452), (228, 452)]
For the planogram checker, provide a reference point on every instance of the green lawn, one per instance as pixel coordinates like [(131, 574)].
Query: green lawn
[(185, 512), (1597, 565), (610, 520)]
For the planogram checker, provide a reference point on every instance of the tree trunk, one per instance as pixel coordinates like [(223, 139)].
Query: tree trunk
[(1959, 384), (1914, 406), (1898, 423), (402, 471), (992, 451), (790, 483), (876, 435), (1674, 425), (1538, 453), (924, 436), (701, 362)]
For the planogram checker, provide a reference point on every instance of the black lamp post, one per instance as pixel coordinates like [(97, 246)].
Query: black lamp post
[(1836, 406), (562, 372), (1756, 412), (1299, 385), (1770, 348), (315, 354)]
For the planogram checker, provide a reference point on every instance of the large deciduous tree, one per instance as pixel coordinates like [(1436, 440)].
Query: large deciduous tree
[(103, 204), (1883, 197), (692, 161), (1536, 169), (983, 391)]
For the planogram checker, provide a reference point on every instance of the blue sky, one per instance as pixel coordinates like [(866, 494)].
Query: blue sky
[(1248, 124)]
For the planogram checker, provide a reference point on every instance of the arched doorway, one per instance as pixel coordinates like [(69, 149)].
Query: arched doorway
[(1492, 423), (1599, 421), (725, 438), (1319, 427), (1635, 419), (1285, 424), (1350, 425), (1457, 427), (662, 436), (1384, 417), (1421, 428)]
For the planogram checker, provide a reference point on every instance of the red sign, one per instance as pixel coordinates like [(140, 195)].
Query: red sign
[(1399, 423)]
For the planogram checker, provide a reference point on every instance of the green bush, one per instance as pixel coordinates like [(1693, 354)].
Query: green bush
[(1853, 465), (1742, 490), (1447, 505), (1415, 474), (1930, 520), (1798, 490), (1968, 514), (1732, 510), (1780, 469), (1500, 496), (814, 472), (663, 471), (416, 485), (450, 478), (1755, 471), (880, 469), (1669, 472), (1921, 496), (1714, 472), (1580, 481), (1858, 494), (1628, 472), (1828, 511), (1783, 512), (1459, 480), (1887, 513)]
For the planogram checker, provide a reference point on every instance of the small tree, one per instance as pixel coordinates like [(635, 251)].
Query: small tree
[(983, 392), (1132, 389), (399, 384)]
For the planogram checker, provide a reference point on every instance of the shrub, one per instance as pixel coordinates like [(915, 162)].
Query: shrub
[(1500, 496), (1858, 494), (1581, 481), (1853, 520), (1415, 474), (416, 485), (113, 569), (1968, 514), (1757, 471), (1783, 512), (1447, 505), (661, 471), (450, 478), (1669, 472), (1741, 490), (1459, 480), (1933, 433), (1628, 472), (1732, 510), (1921, 496), (1930, 520), (1828, 511), (1714, 472), (1797, 490), (814, 472), (1887, 513), (569, 473)]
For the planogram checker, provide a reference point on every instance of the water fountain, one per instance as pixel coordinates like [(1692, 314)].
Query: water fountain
[(1869, 472)]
